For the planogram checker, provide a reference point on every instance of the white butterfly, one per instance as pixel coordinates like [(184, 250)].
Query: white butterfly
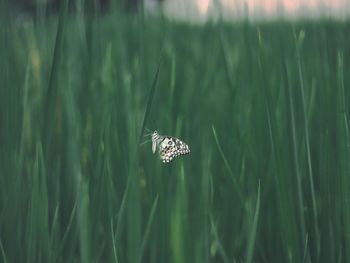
[(169, 147)]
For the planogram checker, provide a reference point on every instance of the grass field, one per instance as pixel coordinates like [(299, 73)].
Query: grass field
[(264, 108)]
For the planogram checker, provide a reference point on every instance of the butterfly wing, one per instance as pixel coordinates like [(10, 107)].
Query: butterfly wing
[(172, 147)]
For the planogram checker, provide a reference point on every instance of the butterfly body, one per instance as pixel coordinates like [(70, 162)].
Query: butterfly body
[(169, 147)]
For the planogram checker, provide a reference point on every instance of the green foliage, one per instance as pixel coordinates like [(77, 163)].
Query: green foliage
[(263, 107)]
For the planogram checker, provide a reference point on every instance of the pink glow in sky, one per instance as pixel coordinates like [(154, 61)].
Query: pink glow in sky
[(291, 5), (203, 6), (270, 6)]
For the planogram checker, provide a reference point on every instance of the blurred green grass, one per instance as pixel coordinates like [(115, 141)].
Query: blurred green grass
[(263, 107)]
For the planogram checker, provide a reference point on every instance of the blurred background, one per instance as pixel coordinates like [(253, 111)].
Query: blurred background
[(199, 10), (258, 89)]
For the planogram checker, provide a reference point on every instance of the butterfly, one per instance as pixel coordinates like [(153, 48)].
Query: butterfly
[(169, 147)]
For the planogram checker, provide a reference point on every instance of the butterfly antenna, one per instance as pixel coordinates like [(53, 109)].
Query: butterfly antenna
[(149, 132), (146, 141)]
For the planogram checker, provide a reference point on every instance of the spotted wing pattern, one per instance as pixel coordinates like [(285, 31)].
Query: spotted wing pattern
[(172, 147)]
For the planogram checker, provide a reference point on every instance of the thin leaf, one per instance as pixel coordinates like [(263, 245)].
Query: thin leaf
[(252, 237), (148, 228), (113, 243), (51, 94), (150, 98), (3, 252), (227, 165)]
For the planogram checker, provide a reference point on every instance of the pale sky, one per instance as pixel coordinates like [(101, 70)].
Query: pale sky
[(255, 9)]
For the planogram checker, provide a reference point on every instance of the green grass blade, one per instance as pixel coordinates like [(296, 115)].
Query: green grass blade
[(37, 227), (121, 214), (54, 231), (227, 67), (3, 252), (67, 230), (218, 242), (306, 249), (254, 228), (343, 140), (148, 228), (307, 144), (297, 169), (150, 98), (116, 236), (228, 167), (52, 90), (113, 242), (285, 207)]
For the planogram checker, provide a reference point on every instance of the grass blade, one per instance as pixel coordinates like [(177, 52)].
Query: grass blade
[(150, 98), (343, 140), (228, 167), (308, 151), (113, 243), (52, 90), (252, 237), (148, 228), (67, 230), (221, 249), (121, 213), (291, 113), (3, 252)]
